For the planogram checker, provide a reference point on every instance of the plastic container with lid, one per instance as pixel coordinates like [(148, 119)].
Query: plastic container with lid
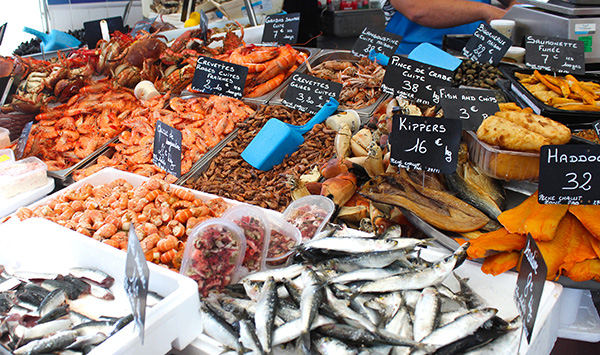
[(502, 164), (22, 175), (309, 214), (255, 227), (213, 255), (4, 137), (284, 238), (7, 156)]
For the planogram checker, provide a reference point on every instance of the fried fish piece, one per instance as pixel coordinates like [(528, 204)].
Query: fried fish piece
[(555, 132), (503, 133)]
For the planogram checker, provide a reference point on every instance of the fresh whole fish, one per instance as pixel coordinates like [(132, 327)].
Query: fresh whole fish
[(95, 275), (461, 327), (342, 309), (42, 330), (220, 330), (426, 313), (248, 337), (54, 342), (332, 346), (375, 259), (310, 301), (291, 330), (360, 245), (54, 299), (265, 314), (289, 272)]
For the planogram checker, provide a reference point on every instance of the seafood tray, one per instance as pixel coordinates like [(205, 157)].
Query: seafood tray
[(42, 246), (9, 205), (263, 99), (63, 177), (567, 117), (496, 292), (325, 55)]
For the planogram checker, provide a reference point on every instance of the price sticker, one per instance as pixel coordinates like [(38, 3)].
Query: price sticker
[(167, 148), (530, 284), (217, 77), (486, 45), (281, 29), (136, 280), (470, 105), (414, 80), (308, 93), (22, 142), (379, 41), (569, 174), (555, 54), (429, 144)]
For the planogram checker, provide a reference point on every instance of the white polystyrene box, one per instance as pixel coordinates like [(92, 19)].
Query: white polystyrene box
[(40, 245)]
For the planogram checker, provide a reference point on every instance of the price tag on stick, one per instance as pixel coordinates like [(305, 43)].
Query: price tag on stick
[(429, 144), (136, 280), (530, 284), (380, 41), (555, 54), (472, 106), (486, 45), (308, 93), (281, 29), (570, 174), (217, 77), (167, 148), (414, 80)]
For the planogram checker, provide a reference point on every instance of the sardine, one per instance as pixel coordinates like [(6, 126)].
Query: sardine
[(54, 299), (252, 289), (461, 327), (102, 293), (248, 337), (364, 337), (153, 298), (375, 259), (365, 275), (42, 330), (265, 313), (426, 313), (288, 272), (357, 303), (56, 313), (71, 290), (332, 346), (360, 245), (291, 330), (92, 339), (386, 304), (342, 309), (93, 327), (506, 344), (310, 301), (52, 343), (95, 275), (220, 330), (78, 318), (287, 310), (491, 330), (121, 323)]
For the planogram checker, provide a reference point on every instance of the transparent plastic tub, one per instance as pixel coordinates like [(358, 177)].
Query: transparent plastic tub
[(284, 238), (502, 164), (210, 244), (309, 214), (21, 176), (256, 230), (7, 156), (4, 137)]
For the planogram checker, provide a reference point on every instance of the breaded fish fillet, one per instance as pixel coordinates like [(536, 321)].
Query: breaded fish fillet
[(555, 132), (497, 131)]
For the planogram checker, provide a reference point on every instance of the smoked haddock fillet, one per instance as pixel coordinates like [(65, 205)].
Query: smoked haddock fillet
[(497, 241), (543, 221), (589, 216), (585, 270), (514, 219), (501, 262)]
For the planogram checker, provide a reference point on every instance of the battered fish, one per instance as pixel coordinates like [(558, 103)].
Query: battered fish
[(555, 132), (503, 133)]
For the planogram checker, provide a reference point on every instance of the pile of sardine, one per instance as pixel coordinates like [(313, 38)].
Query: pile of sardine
[(35, 317), (354, 294)]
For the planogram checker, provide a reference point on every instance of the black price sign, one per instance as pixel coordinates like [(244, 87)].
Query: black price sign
[(167, 148), (555, 54), (530, 284), (142, 26), (470, 105), (2, 30), (281, 29), (93, 33), (216, 77), (22, 142), (486, 45), (414, 80), (308, 93), (569, 174), (429, 144), (136, 280), (380, 41), (597, 128)]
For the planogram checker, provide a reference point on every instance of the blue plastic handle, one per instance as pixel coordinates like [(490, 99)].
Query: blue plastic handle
[(379, 58), (327, 110)]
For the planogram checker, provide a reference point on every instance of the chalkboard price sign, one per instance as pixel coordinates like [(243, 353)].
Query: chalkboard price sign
[(597, 128), (281, 29), (569, 174), (308, 93), (136, 280), (555, 54), (429, 144), (167, 148), (216, 77), (22, 142), (470, 105), (414, 80), (486, 45), (380, 41), (530, 284)]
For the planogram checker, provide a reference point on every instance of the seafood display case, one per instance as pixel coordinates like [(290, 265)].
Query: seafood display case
[(326, 55)]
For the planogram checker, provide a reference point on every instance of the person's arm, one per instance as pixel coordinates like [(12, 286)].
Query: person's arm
[(446, 13)]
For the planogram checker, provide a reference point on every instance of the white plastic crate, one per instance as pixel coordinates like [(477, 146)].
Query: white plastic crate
[(579, 318), (40, 245)]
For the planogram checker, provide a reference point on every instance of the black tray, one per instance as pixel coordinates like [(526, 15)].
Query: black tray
[(567, 117)]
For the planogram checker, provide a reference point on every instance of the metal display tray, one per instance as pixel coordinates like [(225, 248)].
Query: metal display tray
[(325, 55), (567, 117)]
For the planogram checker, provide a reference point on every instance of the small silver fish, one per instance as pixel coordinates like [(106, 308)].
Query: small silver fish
[(427, 313), (310, 301), (461, 327), (332, 346), (291, 330), (265, 313), (52, 343), (220, 330), (288, 272), (95, 275), (41, 330), (342, 309), (248, 337), (93, 327), (54, 299)]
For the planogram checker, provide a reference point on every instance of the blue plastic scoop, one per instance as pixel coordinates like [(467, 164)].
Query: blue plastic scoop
[(278, 139), (54, 40)]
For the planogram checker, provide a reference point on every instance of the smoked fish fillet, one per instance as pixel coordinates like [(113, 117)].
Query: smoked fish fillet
[(497, 241)]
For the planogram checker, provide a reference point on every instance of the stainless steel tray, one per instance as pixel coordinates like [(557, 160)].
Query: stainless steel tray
[(324, 55)]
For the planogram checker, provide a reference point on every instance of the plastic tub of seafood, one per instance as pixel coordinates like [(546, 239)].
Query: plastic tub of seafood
[(7, 156), (334, 55), (21, 176), (9, 205), (284, 238), (502, 164), (4, 137), (213, 254), (38, 245), (309, 214)]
